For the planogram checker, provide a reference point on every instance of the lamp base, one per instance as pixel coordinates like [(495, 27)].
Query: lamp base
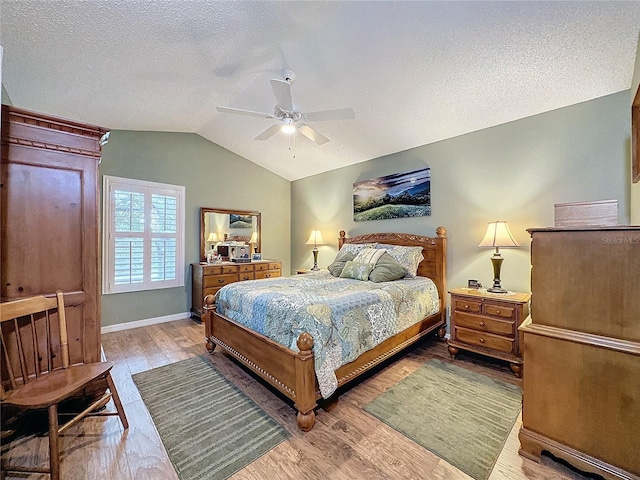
[(497, 290), (315, 259)]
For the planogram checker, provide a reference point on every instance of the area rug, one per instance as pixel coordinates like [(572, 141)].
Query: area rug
[(208, 426), (461, 416)]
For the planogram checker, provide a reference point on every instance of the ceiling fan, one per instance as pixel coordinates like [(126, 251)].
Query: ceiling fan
[(291, 119)]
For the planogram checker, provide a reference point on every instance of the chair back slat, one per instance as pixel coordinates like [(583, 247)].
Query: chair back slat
[(62, 322), (22, 359), (27, 331), (34, 345)]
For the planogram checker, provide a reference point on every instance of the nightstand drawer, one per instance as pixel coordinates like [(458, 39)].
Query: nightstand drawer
[(261, 266), (230, 269), (247, 276), (245, 268), (485, 324), (498, 310), (219, 280), (466, 305), (486, 340)]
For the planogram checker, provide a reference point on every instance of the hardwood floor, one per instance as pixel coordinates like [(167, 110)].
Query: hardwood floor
[(346, 442)]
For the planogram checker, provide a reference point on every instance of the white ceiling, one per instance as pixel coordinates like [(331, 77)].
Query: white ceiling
[(414, 72)]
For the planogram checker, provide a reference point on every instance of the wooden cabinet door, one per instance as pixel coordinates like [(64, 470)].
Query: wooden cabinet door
[(49, 215)]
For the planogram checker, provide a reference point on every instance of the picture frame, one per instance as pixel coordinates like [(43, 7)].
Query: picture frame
[(256, 257), (401, 195)]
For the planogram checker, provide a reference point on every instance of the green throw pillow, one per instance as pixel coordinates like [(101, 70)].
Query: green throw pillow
[(387, 269), (357, 271), (340, 261)]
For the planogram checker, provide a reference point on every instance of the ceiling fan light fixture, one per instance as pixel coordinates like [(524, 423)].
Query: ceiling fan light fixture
[(288, 127)]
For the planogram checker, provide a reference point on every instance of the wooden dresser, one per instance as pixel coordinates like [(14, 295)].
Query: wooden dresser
[(208, 278), (581, 399), (487, 323)]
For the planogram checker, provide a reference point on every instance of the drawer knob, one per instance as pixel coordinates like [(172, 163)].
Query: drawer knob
[(466, 307), (221, 280), (482, 324), (497, 312), (482, 340)]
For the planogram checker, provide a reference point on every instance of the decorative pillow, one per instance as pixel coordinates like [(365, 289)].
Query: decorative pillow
[(340, 261), (408, 257), (369, 255), (357, 271), (387, 269), (356, 247)]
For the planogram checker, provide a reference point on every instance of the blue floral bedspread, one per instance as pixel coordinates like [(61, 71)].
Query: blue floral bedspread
[(345, 317)]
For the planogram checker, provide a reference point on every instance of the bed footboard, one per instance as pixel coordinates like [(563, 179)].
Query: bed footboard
[(291, 373)]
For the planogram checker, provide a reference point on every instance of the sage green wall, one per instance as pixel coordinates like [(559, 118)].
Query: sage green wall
[(5, 97), (213, 177), (513, 172), (635, 187)]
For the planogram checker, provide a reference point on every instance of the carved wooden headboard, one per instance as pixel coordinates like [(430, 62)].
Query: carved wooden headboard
[(434, 250)]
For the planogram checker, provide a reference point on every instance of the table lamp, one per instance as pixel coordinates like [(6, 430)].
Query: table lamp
[(254, 241), (498, 236), (315, 239)]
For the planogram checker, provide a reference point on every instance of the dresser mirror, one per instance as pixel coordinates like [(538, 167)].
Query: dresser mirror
[(219, 225)]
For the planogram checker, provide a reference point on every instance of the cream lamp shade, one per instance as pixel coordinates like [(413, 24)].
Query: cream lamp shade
[(315, 239), (498, 236), (213, 237)]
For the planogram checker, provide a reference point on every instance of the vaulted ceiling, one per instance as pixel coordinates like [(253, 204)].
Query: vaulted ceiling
[(413, 72)]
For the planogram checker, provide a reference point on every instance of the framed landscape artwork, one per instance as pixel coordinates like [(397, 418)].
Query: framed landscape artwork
[(399, 195), (240, 221)]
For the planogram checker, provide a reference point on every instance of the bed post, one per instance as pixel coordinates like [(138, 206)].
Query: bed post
[(209, 307), (305, 383), (341, 238)]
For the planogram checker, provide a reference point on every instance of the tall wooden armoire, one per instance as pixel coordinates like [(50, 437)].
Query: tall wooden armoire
[(581, 399), (49, 213)]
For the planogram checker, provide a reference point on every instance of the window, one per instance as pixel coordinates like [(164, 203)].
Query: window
[(143, 235)]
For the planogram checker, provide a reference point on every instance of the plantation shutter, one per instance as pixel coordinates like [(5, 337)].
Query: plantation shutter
[(144, 235)]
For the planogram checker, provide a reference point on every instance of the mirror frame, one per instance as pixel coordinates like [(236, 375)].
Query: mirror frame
[(635, 138), (205, 210)]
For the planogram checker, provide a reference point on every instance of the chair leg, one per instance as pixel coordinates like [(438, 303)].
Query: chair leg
[(116, 401), (54, 449)]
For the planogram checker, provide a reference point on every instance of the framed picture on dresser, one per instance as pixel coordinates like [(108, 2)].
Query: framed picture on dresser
[(256, 256)]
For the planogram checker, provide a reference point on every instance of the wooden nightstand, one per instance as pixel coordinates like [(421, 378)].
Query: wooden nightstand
[(487, 323)]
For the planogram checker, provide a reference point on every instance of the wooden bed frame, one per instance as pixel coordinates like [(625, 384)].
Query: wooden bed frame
[(292, 373)]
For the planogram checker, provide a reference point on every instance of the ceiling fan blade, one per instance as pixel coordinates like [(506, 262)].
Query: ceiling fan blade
[(269, 132), (282, 91), (240, 111), (325, 115), (311, 134)]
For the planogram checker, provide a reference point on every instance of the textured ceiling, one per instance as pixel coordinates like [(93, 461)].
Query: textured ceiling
[(414, 72)]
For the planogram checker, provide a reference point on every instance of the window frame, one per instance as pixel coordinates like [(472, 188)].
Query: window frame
[(111, 183)]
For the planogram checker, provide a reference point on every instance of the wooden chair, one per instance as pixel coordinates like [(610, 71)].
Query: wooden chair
[(36, 369)]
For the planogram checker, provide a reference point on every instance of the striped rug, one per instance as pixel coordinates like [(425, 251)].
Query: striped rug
[(208, 426), (461, 416)]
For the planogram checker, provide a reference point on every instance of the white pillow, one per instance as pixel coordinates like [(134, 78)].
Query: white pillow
[(369, 255), (408, 257)]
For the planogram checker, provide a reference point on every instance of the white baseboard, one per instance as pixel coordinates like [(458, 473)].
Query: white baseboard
[(144, 323)]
